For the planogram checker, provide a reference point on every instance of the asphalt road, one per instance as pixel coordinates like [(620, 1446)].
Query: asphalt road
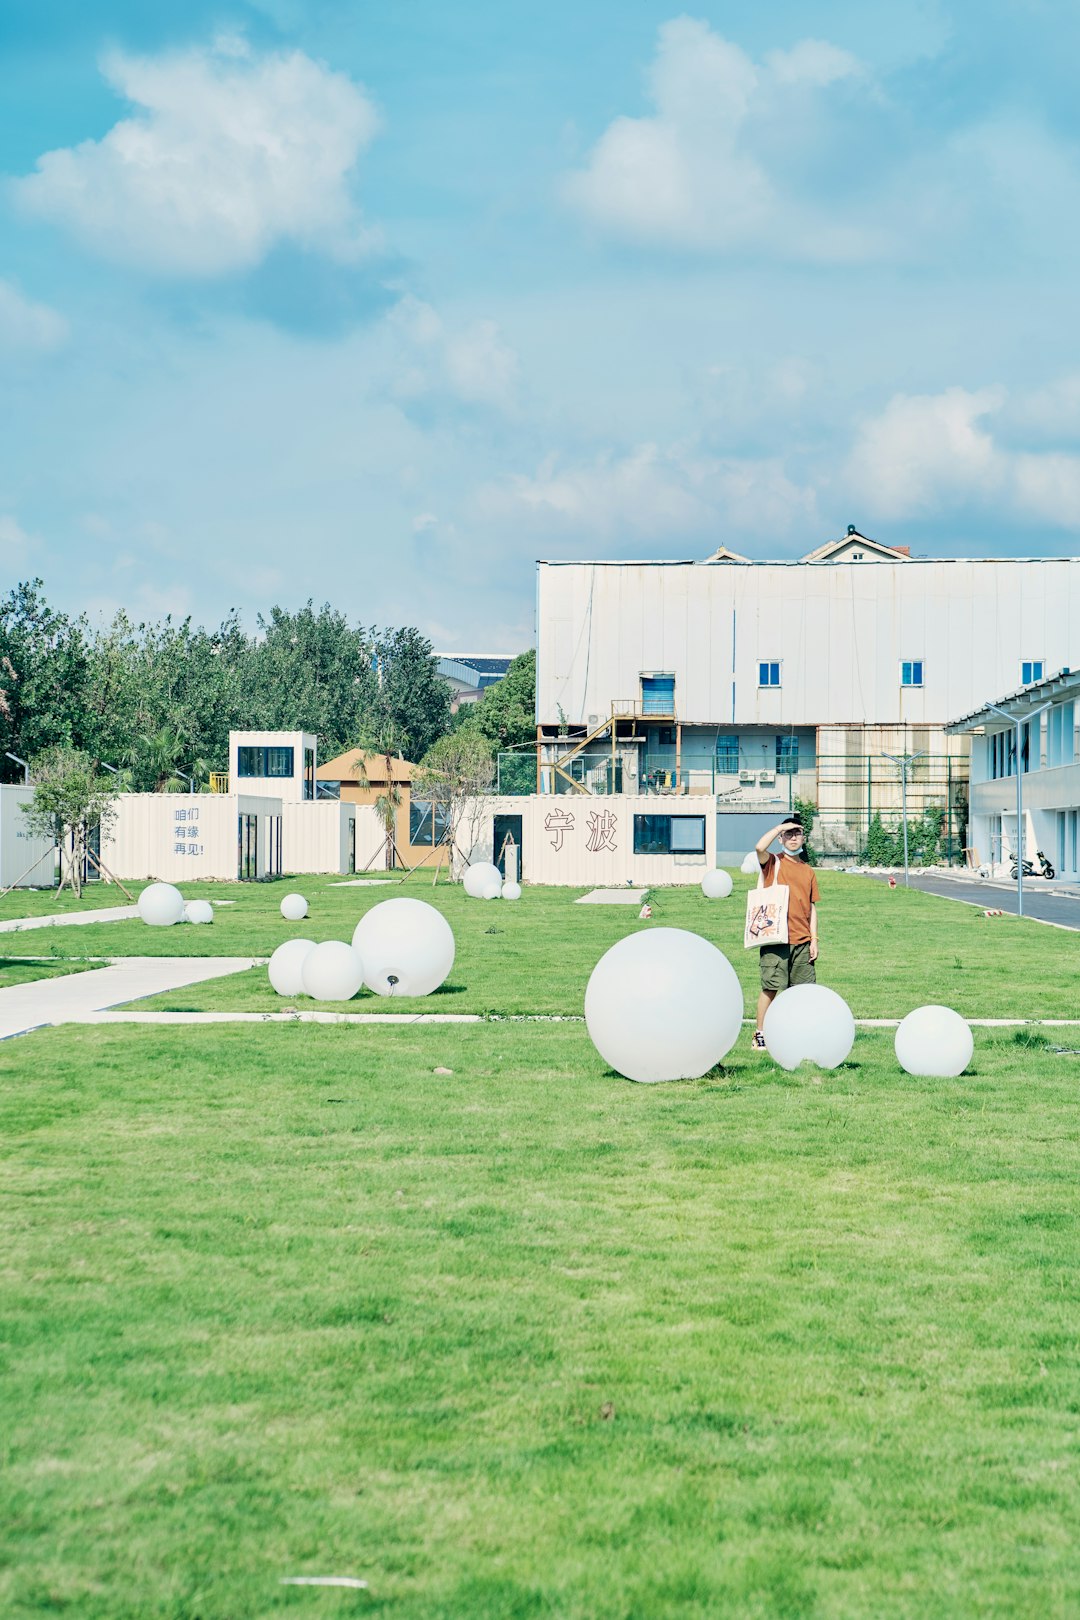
[(1041, 899)]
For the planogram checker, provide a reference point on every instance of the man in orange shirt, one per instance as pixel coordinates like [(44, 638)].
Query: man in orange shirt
[(793, 963)]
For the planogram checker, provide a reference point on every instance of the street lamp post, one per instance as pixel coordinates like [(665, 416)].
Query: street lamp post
[(1016, 721), (903, 763)]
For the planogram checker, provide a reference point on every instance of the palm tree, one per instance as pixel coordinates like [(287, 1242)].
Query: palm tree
[(383, 738), (155, 756)]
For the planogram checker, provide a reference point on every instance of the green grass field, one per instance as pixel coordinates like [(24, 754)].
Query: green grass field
[(528, 1340)]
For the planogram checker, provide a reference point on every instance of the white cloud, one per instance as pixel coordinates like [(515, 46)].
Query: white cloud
[(926, 453), (27, 326), (472, 363), (226, 154), (655, 493), (14, 540), (688, 175)]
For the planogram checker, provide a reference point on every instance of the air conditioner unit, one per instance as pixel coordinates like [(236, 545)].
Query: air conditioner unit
[(594, 720), (766, 778), (747, 776)]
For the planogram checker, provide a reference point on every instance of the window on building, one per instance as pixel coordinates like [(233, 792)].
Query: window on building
[(1031, 670), (787, 756), (911, 672), (768, 675), (428, 823), (665, 736), (254, 760), (658, 694), (727, 755), (669, 835), (309, 773), (328, 790)]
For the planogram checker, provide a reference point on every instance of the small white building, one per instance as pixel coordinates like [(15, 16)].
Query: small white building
[(183, 837), (1049, 763), (598, 842), (27, 861)]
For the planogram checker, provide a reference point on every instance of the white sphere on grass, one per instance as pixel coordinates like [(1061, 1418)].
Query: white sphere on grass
[(333, 971), (934, 1041), (750, 864), (199, 911), (160, 905), (483, 881), (286, 967), (406, 946), (664, 1004), (716, 885), (294, 908), (511, 891), (809, 1021)]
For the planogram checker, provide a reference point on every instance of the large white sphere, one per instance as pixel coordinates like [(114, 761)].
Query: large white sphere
[(333, 971), (407, 942), (809, 1021), (716, 885), (934, 1041), (294, 908), (750, 864), (483, 881), (511, 891), (160, 905), (286, 967), (199, 911), (664, 1004)]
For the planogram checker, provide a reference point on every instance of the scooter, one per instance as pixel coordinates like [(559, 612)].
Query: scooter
[(1039, 867)]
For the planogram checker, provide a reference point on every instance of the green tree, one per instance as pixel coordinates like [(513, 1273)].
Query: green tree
[(43, 676), (71, 797), (455, 773), (311, 671), (506, 711), (411, 694)]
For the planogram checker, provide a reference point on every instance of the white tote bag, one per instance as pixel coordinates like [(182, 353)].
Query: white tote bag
[(767, 912)]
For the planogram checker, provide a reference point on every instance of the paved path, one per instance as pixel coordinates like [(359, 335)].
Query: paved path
[(78, 996), (1041, 902), (72, 919)]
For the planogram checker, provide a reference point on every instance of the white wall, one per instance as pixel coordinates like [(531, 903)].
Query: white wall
[(180, 837), (317, 836), (19, 848), (579, 840), (839, 629)]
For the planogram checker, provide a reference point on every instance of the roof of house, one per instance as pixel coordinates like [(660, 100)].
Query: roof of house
[(1065, 683), (346, 768), (483, 663)]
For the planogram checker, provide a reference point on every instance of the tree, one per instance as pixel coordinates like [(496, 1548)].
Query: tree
[(454, 774), (43, 676), (311, 672), (412, 696), (506, 712), (70, 798), (383, 739)]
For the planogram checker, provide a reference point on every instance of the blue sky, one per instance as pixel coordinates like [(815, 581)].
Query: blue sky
[(377, 303)]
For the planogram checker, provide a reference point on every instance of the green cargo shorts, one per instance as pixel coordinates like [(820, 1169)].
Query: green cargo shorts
[(784, 965)]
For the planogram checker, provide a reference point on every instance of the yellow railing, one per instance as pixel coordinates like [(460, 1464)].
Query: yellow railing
[(219, 781)]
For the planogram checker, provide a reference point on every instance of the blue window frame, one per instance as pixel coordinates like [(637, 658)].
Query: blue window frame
[(727, 755), (768, 674), (787, 756), (911, 672), (258, 761), (658, 694), (669, 835), (1031, 669)]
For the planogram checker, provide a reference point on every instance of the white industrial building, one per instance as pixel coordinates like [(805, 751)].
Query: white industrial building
[(27, 861), (269, 823), (1048, 712), (752, 684)]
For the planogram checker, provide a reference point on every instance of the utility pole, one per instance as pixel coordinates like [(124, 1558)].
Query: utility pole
[(903, 763)]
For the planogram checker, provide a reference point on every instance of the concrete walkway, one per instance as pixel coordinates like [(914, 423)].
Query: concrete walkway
[(73, 919), (77, 997)]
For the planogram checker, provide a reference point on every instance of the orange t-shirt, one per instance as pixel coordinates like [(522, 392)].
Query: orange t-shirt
[(801, 879)]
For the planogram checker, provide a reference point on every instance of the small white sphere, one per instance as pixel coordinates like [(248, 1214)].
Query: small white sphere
[(511, 891), (286, 967), (161, 905), (809, 1021), (406, 946), (750, 864), (716, 885), (333, 971), (199, 911), (294, 908), (934, 1041), (663, 1004), (483, 881)]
